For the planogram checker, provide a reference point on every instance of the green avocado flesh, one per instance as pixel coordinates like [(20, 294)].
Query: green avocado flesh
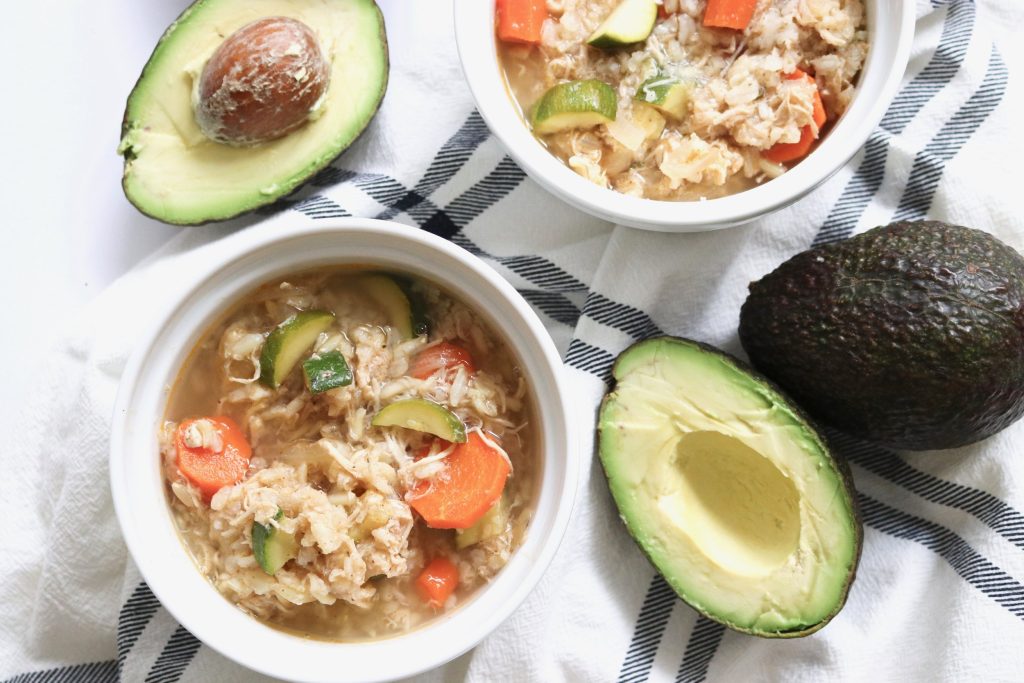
[(176, 174), (910, 335), (576, 104), (630, 22), (730, 492)]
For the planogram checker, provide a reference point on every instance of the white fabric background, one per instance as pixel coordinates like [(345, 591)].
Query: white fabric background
[(910, 616)]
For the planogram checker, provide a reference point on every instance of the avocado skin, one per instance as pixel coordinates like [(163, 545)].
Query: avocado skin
[(909, 335), (843, 467), (312, 171)]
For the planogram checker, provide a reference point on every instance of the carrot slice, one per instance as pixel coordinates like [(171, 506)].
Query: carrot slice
[(463, 492), (784, 152), (820, 117), (520, 21), (437, 581), (735, 14), (212, 467), (443, 355)]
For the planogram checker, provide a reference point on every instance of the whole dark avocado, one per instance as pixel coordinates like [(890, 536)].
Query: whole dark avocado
[(909, 335)]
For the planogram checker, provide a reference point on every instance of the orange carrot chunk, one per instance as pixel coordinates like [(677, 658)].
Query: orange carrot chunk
[(437, 582), (819, 107), (443, 355), (212, 453), (734, 14), (470, 483), (784, 152), (520, 21)]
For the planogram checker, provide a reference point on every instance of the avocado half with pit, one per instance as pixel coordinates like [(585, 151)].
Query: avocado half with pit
[(728, 489), (177, 173)]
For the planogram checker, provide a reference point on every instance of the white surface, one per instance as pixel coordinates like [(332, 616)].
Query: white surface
[(890, 29), (911, 616)]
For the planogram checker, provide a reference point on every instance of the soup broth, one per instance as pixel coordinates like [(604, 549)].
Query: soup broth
[(332, 528)]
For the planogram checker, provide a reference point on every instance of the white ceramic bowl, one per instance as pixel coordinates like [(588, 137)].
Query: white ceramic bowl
[(246, 260), (891, 31)]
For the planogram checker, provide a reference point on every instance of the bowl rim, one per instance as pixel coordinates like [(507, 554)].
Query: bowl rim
[(883, 69), (187, 595)]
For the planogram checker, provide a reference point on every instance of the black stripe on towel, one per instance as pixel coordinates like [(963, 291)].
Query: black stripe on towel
[(623, 317), (592, 359), (505, 177), (452, 156), (858, 193), (965, 560), (319, 206), (993, 512), (536, 269), (867, 179), (704, 640), (93, 672), (177, 654), (930, 163), (131, 621), (650, 626), (554, 305), (949, 55)]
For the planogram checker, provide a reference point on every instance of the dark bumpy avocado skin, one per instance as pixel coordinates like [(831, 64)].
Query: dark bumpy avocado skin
[(909, 335)]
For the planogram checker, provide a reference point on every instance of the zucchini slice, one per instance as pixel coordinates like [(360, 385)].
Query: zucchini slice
[(271, 546), (391, 296), (668, 94), (630, 22), (423, 416), (417, 307), (492, 524), (572, 105), (288, 342), (326, 371)]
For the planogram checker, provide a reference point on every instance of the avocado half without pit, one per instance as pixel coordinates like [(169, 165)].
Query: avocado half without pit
[(242, 101), (731, 493)]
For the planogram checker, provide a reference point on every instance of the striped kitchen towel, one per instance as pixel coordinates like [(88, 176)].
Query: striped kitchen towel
[(940, 592)]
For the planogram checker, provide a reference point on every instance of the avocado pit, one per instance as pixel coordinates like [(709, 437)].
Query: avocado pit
[(263, 82)]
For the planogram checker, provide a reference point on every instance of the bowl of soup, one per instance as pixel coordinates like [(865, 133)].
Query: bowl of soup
[(682, 115), (343, 454)]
